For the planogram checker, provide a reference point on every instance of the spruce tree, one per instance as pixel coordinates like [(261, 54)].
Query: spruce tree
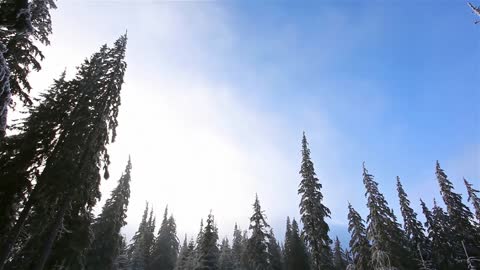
[(19, 53), (439, 234), (208, 252), (165, 248), (257, 245), (339, 257), (473, 198), (225, 260), (186, 258), (359, 244), (295, 252), (237, 248), (461, 218), (389, 245), (139, 250), (313, 213), (67, 188), (413, 228), (275, 259), (121, 262), (106, 229)]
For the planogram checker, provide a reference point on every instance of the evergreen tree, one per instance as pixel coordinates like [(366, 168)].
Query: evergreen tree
[(473, 198), (295, 252), (389, 245), (413, 228), (186, 257), (121, 262), (275, 259), (313, 213), (359, 245), (257, 245), (139, 250), (149, 237), (225, 260), (165, 249), (237, 248), (439, 233), (67, 188), (339, 257), (106, 229), (208, 253), (30, 24), (461, 218)]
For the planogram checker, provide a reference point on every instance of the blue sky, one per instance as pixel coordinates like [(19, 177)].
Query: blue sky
[(217, 95)]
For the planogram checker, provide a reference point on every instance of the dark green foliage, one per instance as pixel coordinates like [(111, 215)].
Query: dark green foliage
[(275, 259), (208, 252), (473, 198), (21, 26), (460, 216), (238, 248), (339, 256), (121, 261), (389, 245), (257, 245), (359, 245), (140, 249), (413, 228), (313, 213), (439, 234), (225, 260), (106, 228), (295, 252), (186, 258), (165, 248), (68, 187)]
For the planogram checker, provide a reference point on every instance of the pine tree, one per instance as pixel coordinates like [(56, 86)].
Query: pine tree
[(339, 260), (439, 232), (413, 228), (359, 244), (165, 249), (461, 218), (23, 155), (225, 260), (237, 248), (313, 213), (186, 259), (473, 198), (295, 252), (389, 245), (121, 262), (67, 188), (257, 245), (275, 259), (208, 253), (32, 24), (139, 250), (106, 229)]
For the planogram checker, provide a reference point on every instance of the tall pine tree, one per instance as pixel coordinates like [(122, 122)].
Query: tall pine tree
[(106, 229), (473, 198), (208, 252), (389, 246), (413, 228), (313, 213), (461, 218), (165, 248), (257, 244), (295, 252), (68, 186), (359, 244)]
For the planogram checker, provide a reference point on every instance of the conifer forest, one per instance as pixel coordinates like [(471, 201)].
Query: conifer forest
[(55, 158)]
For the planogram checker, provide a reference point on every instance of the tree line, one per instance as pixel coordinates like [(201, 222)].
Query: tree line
[(52, 166)]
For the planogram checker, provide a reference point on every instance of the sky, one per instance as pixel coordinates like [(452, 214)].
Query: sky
[(218, 93)]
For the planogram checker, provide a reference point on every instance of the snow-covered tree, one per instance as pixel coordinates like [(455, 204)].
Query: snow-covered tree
[(389, 246), (257, 245), (295, 252), (313, 213), (359, 244), (275, 259), (208, 252), (225, 260), (413, 228), (238, 248), (339, 257), (165, 248), (68, 186), (473, 198), (106, 228)]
